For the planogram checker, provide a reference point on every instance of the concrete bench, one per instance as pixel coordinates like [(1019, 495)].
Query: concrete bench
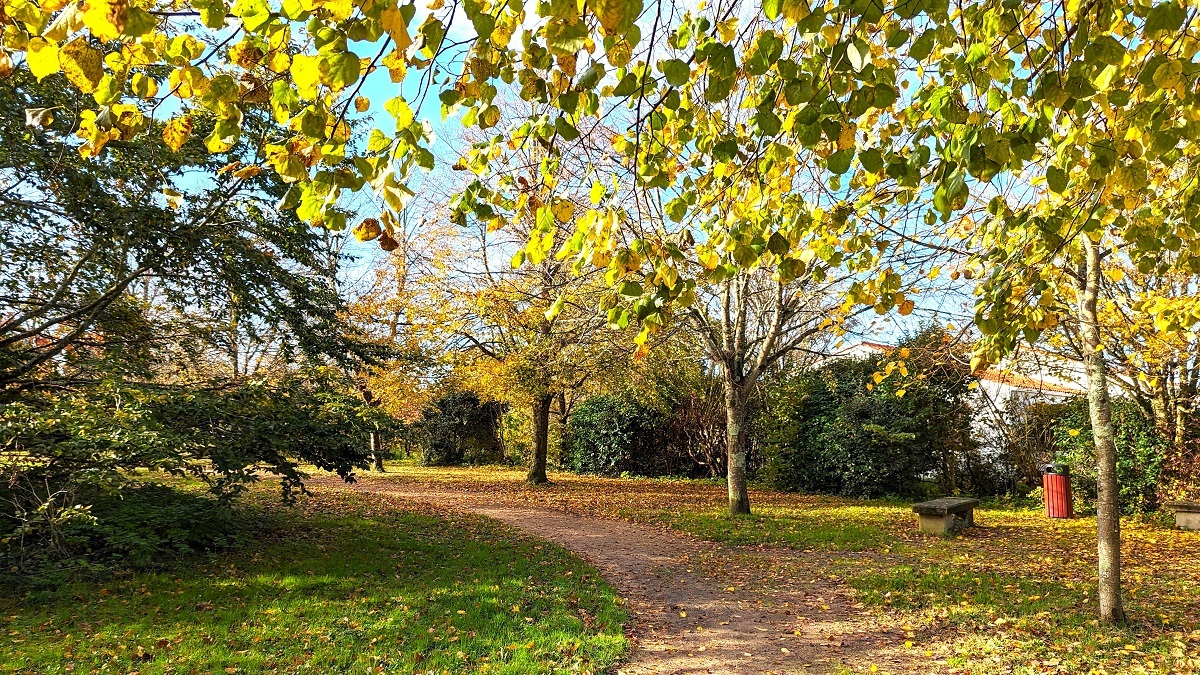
[(945, 515), (1187, 514)]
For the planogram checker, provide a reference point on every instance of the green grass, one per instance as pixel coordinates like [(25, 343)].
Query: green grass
[(1015, 594), (1024, 623), (349, 584), (832, 528)]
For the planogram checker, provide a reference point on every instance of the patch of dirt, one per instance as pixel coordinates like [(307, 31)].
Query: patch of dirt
[(697, 606)]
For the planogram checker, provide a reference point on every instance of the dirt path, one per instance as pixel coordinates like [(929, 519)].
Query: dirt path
[(691, 615)]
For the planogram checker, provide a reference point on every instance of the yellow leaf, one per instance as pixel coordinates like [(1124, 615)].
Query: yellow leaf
[(177, 131), (563, 210), (362, 103), (728, 29), (174, 197), (246, 54), (846, 136), (105, 18), (6, 64), (42, 57), (367, 230), (248, 171), (905, 308), (144, 86), (306, 75), (395, 64), (899, 393), (795, 10), (82, 64), (396, 27), (1168, 74), (279, 62)]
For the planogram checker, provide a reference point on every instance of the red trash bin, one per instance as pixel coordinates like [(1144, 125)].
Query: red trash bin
[(1056, 483)]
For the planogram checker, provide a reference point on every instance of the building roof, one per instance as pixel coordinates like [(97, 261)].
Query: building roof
[(1004, 377), (1019, 381)]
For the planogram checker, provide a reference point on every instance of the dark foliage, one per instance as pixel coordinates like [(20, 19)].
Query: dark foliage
[(103, 276), (63, 450), (150, 526), (837, 430), (611, 435), (1140, 453), (460, 429), (146, 527)]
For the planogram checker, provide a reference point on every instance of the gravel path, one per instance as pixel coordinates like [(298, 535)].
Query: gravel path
[(690, 615)]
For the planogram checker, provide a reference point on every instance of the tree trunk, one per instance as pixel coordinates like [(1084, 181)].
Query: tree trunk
[(541, 439), (377, 452), (735, 449), (1108, 515)]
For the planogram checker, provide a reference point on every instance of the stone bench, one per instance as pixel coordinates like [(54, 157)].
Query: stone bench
[(1187, 514), (946, 515)]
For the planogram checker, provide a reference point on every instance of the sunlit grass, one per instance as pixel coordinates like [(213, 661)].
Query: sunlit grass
[(350, 584), (1014, 594)]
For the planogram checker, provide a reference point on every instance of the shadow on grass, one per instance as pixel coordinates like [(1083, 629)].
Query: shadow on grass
[(351, 584)]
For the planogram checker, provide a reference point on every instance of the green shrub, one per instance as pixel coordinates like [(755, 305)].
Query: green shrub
[(841, 430), (65, 451), (1140, 453), (142, 527), (829, 434), (460, 429), (611, 435), (152, 525)]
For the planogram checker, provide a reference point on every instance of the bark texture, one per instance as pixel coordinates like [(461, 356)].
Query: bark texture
[(1108, 514), (735, 449), (377, 452), (541, 439)]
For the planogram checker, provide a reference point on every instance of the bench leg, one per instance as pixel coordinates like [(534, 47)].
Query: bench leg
[(936, 524), (966, 519), (948, 523), (1187, 521)]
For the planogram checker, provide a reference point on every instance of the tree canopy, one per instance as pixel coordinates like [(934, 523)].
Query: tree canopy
[(795, 138)]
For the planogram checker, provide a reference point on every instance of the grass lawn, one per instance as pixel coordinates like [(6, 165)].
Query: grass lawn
[(343, 583), (1015, 594)]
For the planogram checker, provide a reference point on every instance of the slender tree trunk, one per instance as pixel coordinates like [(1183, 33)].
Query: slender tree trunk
[(377, 452), (541, 439), (1108, 515), (735, 449)]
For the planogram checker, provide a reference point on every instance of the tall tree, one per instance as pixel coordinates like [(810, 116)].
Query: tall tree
[(746, 324), (1093, 98), (195, 254)]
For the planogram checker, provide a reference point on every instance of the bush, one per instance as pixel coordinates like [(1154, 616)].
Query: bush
[(840, 429), (611, 435), (1140, 453), (460, 429), (829, 434), (1025, 442), (151, 525), (147, 526), (65, 450)]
